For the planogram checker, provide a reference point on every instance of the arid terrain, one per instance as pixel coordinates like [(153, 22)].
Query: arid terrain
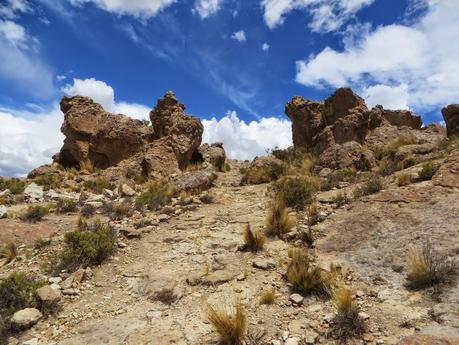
[(368, 195)]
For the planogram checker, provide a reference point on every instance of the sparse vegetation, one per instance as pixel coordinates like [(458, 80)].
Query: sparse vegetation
[(165, 295), (278, 221), (230, 327), (426, 267), (391, 149), (48, 181), (312, 214), (371, 185), (34, 214), (87, 165), (306, 277), (66, 205), (297, 192), (265, 174), (404, 179), (347, 322), (337, 176), (15, 185), (98, 184), (117, 210), (428, 171), (268, 297), (157, 194), (340, 199), (253, 240), (9, 251), (87, 211)]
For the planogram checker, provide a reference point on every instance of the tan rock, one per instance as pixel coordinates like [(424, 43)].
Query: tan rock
[(451, 116)]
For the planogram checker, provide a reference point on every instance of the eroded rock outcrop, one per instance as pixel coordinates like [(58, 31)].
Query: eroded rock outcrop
[(118, 142), (451, 116)]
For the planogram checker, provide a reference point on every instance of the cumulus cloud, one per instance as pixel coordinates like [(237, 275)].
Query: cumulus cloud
[(421, 57), (10, 8), (12, 32), (391, 97), (265, 47), (28, 140), (104, 94), (246, 140), (239, 36), (136, 8), (326, 15), (206, 8)]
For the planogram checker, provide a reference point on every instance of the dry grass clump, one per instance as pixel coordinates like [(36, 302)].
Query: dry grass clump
[(337, 176), (278, 221), (87, 165), (157, 194), (117, 210), (404, 179), (66, 205), (306, 277), (426, 267), (298, 191), (165, 295), (372, 184), (391, 149), (98, 184), (268, 297), (428, 170), (253, 240), (346, 322), (9, 251), (15, 185), (341, 199), (49, 181), (87, 211), (265, 174), (34, 214), (230, 326), (312, 214)]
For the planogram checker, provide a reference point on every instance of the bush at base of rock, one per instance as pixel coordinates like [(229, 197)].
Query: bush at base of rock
[(98, 184), (263, 170), (373, 184), (427, 171), (34, 214), (157, 194), (14, 185), (297, 192), (66, 205)]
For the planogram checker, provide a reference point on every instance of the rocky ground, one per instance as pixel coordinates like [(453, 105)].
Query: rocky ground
[(195, 254)]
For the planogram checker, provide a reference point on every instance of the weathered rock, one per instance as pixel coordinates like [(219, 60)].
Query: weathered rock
[(296, 298), (448, 174), (194, 181), (33, 192), (350, 154), (126, 190), (263, 264), (213, 155), (451, 116), (3, 211), (44, 170), (423, 340), (26, 318), (48, 296), (262, 170)]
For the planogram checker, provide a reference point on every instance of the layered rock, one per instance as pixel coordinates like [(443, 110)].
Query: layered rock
[(338, 128), (117, 141), (451, 116)]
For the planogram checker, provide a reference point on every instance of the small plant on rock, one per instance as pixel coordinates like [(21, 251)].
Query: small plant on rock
[(427, 171), (347, 322), (297, 192), (230, 326), (253, 240), (48, 181), (97, 185), (426, 267), (157, 194), (371, 185), (341, 199), (87, 210), (34, 214), (404, 179), (15, 185), (66, 205), (268, 297), (278, 221)]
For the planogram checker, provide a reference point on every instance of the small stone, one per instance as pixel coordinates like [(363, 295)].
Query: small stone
[(55, 280), (26, 318), (3, 211), (285, 335), (310, 337), (71, 292), (163, 217), (364, 316), (276, 342), (292, 341), (263, 265), (49, 296), (33, 341), (296, 298)]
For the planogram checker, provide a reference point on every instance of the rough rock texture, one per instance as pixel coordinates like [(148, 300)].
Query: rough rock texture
[(107, 140), (26, 318), (451, 116), (261, 170), (340, 119), (194, 181), (423, 340), (213, 155)]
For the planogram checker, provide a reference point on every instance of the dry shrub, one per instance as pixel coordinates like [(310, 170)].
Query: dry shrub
[(230, 326), (265, 174), (337, 176), (346, 322), (98, 184), (87, 211), (426, 267), (404, 179), (253, 240), (165, 295), (87, 165), (49, 181), (307, 278), (9, 251), (66, 205), (312, 214), (278, 221), (157, 194), (341, 199), (34, 214), (391, 149), (268, 297), (118, 210), (372, 184), (428, 170), (297, 192), (15, 185)]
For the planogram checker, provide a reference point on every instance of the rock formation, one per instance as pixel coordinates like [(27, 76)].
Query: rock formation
[(116, 141), (344, 132), (451, 116)]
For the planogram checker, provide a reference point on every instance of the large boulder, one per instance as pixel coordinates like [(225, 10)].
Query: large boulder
[(451, 116), (263, 169), (25, 318), (213, 155)]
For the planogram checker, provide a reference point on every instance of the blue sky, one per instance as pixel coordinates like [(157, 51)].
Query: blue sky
[(233, 63)]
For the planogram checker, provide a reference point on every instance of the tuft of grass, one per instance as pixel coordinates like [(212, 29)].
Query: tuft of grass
[(426, 267), (346, 322), (41, 243), (337, 176), (66, 205), (371, 185), (341, 199), (9, 251), (391, 149), (98, 184), (87, 211), (265, 174), (268, 297), (34, 214), (230, 327), (278, 221), (87, 165), (307, 278), (88, 245), (297, 192), (157, 193), (48, 181), (312, 214), (165, 295), (428, 170), (404, 179), (253, 240), (15, 185), (118, 210)]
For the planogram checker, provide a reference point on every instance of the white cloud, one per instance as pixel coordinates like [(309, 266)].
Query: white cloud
[(326, 15), (13, 32), (136, 8), (61, 77), (239, 36), (10, 8), (28, 140), (104, 94), (421, 56), (206, 8), (246, 140), (265, 47), (392, 97)]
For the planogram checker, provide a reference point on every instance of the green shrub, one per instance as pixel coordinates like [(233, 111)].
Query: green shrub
[(87, 211), (87, 246), (97, 185), (15, 185), (428, 170), (337, 176), (34, 214), (48, 181), (157, 194), (66, 205), (297, 192), (404, 179), (372, 184)]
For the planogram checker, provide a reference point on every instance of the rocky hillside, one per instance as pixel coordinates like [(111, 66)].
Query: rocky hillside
[(139, 235)]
